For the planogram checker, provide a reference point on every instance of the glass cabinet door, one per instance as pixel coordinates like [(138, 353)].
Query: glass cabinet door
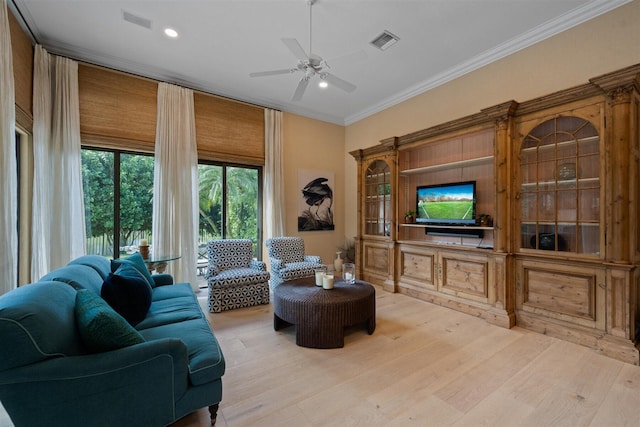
[(560, 187), (377, 203)]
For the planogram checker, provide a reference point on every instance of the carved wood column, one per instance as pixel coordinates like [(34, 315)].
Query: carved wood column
[(503, 116), (358, 155), (620, 88)]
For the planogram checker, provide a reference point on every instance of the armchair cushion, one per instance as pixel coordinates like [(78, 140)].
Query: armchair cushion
[(101, 328), (128, 293)]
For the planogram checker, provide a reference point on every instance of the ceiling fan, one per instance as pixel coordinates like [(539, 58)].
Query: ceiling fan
[(310, 65)]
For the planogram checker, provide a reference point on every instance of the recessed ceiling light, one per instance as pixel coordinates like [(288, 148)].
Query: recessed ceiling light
[(323, 84), (171, 33)]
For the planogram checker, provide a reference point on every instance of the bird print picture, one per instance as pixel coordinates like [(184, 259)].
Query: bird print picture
[(315, 200)]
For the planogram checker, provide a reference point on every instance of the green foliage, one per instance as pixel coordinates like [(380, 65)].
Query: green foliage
[(97, 176), (136, 198), (136, 194), (241, 198)]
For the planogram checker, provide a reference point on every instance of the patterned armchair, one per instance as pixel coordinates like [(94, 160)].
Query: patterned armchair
[(234, 278), (288, 261)]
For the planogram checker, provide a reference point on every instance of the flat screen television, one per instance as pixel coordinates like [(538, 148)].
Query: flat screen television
[(446, 204)]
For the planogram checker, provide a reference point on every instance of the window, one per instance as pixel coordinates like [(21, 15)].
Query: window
[(230, 204), (118, 199)]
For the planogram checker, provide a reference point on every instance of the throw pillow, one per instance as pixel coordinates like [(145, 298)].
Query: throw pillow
[(136, 261), (128, 293), (100, 327)]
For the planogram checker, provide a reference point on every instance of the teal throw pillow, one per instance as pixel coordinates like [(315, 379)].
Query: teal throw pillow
[(100, 327), (136, 261), (128, 293)]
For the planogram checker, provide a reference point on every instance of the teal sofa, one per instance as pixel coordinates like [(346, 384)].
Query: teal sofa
[(59, 367)]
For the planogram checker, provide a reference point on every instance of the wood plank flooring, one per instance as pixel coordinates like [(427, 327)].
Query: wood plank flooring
[(425, 365)]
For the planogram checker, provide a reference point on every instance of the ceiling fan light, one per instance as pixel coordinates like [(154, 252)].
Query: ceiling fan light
[(323, 84)]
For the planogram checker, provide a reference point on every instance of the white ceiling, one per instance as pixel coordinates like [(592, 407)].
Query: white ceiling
[(222, 41)]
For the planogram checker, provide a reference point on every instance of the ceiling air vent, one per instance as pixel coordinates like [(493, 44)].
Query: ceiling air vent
[(385, 40), (130, 17)]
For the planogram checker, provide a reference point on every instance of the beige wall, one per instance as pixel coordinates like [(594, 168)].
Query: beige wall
[(313, 145), (604, 44)]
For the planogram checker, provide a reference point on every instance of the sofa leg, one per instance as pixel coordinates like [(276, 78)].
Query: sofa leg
[(213, 410)]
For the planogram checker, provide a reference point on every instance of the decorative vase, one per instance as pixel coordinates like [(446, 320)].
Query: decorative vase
[(338, 262)]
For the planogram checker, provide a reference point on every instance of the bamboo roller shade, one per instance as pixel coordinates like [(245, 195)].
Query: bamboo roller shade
[(22, 53), (118, 110)]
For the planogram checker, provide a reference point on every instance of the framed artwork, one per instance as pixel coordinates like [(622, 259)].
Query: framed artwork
[(315, 200)]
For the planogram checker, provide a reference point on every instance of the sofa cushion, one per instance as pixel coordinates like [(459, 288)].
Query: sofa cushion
[(206, 362), (78, 276), (37, 323), (99, 263), (101, 328), (136, 261), (171, 291), (171, 310), (128, 293)]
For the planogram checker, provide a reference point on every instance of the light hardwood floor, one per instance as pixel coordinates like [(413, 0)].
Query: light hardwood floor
[(424, 366)]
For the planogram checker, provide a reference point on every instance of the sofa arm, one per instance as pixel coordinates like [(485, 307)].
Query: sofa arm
[(258, 265), (313, 258), (162, 279), (68, 391)]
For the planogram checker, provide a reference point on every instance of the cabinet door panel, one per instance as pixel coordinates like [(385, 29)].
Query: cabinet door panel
[(376, 258), (564, 292), (417, 267), (465, 274)]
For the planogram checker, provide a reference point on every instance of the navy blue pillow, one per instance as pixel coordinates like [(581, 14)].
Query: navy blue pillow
[(136, 261), (128, 293)]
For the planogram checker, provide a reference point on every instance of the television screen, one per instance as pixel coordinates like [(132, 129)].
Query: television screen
[(447, 204)]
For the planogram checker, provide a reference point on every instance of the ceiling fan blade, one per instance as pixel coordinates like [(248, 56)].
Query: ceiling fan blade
[(271, 73), (338, 82), (296, 49), (302, 86)]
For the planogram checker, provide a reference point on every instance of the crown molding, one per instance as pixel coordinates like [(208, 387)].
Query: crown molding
[(549, 29)]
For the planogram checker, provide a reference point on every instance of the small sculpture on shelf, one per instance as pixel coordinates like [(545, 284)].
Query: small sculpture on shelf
[(485, 220), (410, 216)]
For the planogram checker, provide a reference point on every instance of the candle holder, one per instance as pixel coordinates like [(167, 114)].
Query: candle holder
[(144, 251), (349, 273)]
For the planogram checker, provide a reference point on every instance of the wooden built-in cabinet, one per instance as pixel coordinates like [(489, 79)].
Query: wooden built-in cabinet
[(559, 177)]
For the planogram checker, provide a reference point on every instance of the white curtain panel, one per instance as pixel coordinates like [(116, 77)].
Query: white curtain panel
[(274, 196), (58, 227), (175, 183), (8, 167)]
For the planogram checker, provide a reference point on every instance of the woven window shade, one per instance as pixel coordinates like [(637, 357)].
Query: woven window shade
[(118, 110), (228, 130)]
